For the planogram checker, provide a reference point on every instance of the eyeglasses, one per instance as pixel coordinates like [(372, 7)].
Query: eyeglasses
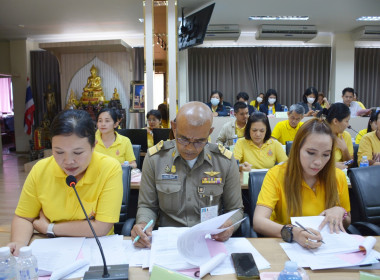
[(196, 144), (153, 120)]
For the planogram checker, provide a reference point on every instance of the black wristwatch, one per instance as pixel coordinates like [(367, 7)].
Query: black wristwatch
[(287, 233)]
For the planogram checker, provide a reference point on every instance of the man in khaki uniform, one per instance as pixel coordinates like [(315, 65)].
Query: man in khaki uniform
[(183, 177)]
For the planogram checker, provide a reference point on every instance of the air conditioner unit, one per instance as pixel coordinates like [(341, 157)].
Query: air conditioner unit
[(286, 32), (222, 32), (366, 33)]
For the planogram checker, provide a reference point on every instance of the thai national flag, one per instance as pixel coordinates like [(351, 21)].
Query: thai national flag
[(29, 109)]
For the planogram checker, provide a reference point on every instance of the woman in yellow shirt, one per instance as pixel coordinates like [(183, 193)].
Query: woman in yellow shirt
[(111, 143), (372, 126), (49, 206), (370, 144), (338, 117), (257, 149), (153, 118), (259, 100), (309, 184)]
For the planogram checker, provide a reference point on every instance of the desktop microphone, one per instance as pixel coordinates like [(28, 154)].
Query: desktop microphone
[(112, 272), (350, 127)]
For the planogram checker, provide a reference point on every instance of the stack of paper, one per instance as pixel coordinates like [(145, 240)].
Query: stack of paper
[(339, 250)]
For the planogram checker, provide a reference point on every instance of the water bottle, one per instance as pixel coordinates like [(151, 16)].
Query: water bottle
[(27, 264), (8, 265), (232, 112), (364, 162), (270, 111), (126, 163), (234, 139), (285, 109), (290, 272)]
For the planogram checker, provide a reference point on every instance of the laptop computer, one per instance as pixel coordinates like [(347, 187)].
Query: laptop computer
[(137, 137), (160, 134)]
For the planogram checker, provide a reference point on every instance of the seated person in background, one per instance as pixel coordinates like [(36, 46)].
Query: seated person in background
[(163, 108), (258, 150), (243, 97), (286, 130), (372, 125), (338, 117), (49, 206), (234, 128), (310, 102), (184, 176), (111, 143), (153, 118), (357, 101), (215, 104), (308, 184), (348, 99), (322, 100), (259, 100), (370, 144), (270, 105)]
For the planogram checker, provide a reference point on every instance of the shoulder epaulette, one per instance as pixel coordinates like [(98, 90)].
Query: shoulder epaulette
[(155, 149), (227, 153)]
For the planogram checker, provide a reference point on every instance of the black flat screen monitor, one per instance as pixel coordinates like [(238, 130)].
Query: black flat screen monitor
[(192, 30), (160, 134), (137, 137)]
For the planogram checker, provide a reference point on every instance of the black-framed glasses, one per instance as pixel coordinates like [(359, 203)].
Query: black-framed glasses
[(197, 144)]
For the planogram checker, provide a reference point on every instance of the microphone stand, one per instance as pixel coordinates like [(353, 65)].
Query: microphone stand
[(117, 272)]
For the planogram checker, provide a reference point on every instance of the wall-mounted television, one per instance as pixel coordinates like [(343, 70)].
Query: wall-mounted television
[(192, 29)]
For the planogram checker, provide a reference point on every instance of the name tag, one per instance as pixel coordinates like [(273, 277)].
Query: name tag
[(208, 213), (212, 181), (169, 176)]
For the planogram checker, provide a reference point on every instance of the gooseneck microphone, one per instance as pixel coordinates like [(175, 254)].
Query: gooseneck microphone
[(119, 272), (350, 127)]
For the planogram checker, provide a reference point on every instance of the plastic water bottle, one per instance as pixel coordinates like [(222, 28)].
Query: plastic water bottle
[(126, 163), (364, 162), (234, 139), (290, 272), (270, 111), (232, 112), (285, 109), (27, 264), (8, 265)]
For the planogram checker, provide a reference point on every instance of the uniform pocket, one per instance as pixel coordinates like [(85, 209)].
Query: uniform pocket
[(169, 196), (211, 195)]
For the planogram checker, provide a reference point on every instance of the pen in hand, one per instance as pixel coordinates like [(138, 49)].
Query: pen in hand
[(144, 230), (308, 231)]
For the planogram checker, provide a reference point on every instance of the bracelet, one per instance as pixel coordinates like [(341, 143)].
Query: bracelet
[(345, 214)]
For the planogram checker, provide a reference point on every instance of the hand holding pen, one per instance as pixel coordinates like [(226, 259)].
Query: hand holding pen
[(141, 233), (307, 237)]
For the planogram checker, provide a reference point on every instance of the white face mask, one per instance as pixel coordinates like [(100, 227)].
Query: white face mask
[(310, 100), (214, 101), (271, 100), (259, 99), (246, 103)]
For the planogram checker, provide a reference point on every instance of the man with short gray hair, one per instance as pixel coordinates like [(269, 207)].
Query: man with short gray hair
[(286, 130)]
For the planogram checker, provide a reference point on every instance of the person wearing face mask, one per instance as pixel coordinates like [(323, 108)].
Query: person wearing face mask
[(270, 105), (259, 100), (218, 110), (243, 97), (310, 102)]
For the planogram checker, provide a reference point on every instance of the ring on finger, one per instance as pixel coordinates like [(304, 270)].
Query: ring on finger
[(307, 242)]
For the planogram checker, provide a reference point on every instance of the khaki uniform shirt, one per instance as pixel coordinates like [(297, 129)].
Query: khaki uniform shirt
[(172, 194)]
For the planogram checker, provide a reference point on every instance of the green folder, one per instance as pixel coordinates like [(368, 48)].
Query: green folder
[(368, 276), (160, 273)]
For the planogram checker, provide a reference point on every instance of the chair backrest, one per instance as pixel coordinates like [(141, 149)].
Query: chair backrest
[(288, 146), (356, 148), (136, 151), (254, 187), (126, 192), (365, 189), (160, 134), (137, 137)]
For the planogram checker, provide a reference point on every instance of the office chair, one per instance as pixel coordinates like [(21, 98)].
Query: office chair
[(136, 151), (254, 186), (365, 200), (124, 221), (288, 146), (356, 148)]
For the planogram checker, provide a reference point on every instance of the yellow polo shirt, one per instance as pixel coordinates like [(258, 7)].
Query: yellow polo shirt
[(347, 138), (360, 135), (283, 131), (264, 157), (100, 189), (369, 146), (239, 131), (121, 149), (272, 195), (360, 104), (256, 104)]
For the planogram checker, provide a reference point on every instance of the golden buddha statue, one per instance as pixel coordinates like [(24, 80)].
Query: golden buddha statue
[(115, 95), (93, 89), (72, 100)]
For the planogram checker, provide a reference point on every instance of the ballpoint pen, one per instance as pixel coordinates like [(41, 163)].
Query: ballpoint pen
[(144, 229), (308, 231)]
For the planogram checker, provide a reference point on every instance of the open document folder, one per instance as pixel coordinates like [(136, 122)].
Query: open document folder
[(192, 248), (339, 250)]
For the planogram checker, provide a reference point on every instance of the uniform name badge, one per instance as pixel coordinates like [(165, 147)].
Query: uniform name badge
[(169, 176), (208, 213)]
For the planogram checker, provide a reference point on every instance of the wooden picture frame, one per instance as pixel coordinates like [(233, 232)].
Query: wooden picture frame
[(137, 97)]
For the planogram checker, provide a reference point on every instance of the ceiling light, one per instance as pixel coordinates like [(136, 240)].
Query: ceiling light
[(278, 18), (141, 20), (369, 18), (21, 25)]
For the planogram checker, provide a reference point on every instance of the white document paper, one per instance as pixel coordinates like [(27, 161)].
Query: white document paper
[(136, 257), (55, 253)]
